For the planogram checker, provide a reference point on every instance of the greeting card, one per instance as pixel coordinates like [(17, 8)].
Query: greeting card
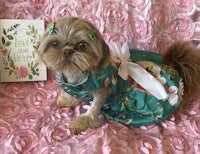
[(18, 50)]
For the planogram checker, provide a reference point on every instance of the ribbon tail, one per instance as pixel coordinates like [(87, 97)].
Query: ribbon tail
[(115, 49), (147, 81), (123, 71)]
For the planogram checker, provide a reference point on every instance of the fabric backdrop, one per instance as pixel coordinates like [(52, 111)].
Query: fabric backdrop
[(30, 121)]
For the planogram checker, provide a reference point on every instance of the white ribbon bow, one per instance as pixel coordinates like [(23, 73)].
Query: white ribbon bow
[(136, 72)]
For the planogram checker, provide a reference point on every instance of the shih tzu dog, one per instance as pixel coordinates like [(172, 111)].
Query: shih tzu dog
[(87, 69)]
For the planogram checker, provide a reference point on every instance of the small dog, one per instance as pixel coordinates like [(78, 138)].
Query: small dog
[(75, 49)]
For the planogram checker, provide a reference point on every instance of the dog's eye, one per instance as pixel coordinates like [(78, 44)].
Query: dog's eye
[(55, 44), (80, 46)]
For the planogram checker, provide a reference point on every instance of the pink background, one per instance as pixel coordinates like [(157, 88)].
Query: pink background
[(30, 122)]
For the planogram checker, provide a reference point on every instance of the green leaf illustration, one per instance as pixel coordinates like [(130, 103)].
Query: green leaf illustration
[(8, 43), (6, 68), (4, 31), (16, 25), (10, 72), (32, 29), (34, 47), (11, 63), (13, 27), (33, 54), (35, 65), (30, 77), (37, 69), (10, 37), (3, 40)]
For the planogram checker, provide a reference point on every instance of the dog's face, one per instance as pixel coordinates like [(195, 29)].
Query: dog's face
[(70, 49)]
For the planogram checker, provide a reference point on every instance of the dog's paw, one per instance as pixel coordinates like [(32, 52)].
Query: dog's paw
[(67, 101), (82, 123)]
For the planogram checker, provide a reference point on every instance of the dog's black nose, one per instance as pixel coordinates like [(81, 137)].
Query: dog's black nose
[(68, 52)]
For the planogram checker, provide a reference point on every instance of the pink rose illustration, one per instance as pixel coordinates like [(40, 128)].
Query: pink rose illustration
[(170, 123), (41, 3), (141, 4), (148, 144), (60, 133), (118, 146), (64, 115), (30, 119), (7, 149), (182, 27), (115, 15), (163, 42), (54, 133), (197, 145), (39, 99), (23, 72), (24, 141), (10, 111), (64, 9), (161, 16), (60, 149), (16, 70), (183, 5), (44, 6), (149, 129), (98, 22), (45, 17), (116, 139), (115, 37), (14, 91), (138, 29), (17, 13), (5, 52), (87, 5), (176, 143), (192, 126), (91, 136), (5, 131)]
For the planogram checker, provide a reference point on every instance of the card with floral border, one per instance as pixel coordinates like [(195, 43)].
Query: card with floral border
[(19, 39)]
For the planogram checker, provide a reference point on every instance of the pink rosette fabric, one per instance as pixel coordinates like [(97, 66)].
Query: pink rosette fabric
[(30, 121)]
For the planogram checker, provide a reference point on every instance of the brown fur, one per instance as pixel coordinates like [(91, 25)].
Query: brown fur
[(68, 32), (185, 59)]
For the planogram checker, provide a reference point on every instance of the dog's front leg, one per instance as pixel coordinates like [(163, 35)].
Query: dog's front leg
[(89, 118), (67, 100)]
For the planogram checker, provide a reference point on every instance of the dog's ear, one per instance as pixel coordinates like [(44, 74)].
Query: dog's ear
[(105, 60)]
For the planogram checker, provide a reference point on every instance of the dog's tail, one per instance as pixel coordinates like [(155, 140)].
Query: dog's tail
[(185, 59)]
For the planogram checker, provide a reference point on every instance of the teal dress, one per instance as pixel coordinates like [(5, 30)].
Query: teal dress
[(128, 103)]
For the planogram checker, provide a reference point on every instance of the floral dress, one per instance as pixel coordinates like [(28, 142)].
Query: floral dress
[(129, 103)]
